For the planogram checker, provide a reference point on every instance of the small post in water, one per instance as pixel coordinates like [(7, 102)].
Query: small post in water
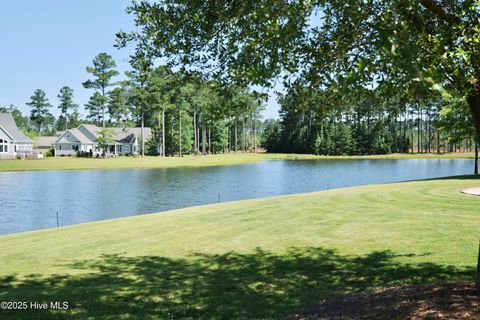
[(57, 220), (219, 197)]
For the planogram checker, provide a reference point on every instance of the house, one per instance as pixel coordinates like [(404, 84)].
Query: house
[(42, 144), (13, 143), (84, 139)]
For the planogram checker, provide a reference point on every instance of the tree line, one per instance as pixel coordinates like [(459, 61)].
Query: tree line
[(186, 113), (369, 123)]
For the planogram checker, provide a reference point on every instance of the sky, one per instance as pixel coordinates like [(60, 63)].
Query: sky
[(48, 44)]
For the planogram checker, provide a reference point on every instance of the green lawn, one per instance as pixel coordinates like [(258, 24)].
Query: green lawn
[(258, 259), (61, 163)]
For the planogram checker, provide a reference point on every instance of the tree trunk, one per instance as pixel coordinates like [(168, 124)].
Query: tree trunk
[(438, 141), (418, 134), (474, 105), (244, 141), (103, 117), (103, 109), (475, 171), (411, 131), (142, 129), (159, 136), (428, 132), (254, 133), (195, 130), (227, 150), (180, 133), (209, 142), (235, 147), (473, 101), (204, 137), (163, 132), (172, 135)]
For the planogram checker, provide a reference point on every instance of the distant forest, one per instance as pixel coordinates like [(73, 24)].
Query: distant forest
[(368, 124)]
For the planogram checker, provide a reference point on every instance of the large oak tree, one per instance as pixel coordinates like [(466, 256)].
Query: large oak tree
[(396, 46)]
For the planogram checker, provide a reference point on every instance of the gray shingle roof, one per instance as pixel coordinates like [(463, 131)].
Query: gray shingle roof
[(85, 132), (80, 136), (128, 135), (45, 141), (8, 123)]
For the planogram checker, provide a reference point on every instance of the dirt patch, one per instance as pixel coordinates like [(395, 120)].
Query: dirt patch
[(441, 301)]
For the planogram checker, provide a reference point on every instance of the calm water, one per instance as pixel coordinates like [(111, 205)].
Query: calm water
[(29, 200)]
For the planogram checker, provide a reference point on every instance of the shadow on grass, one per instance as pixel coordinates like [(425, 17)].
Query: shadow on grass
[(460, 177), (257, 285)]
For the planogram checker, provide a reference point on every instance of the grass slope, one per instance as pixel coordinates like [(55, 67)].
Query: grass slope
[(257, 259), (66, 163)]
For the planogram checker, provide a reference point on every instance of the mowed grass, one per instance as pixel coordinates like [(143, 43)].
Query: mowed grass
[(256, 259), (67, 163)]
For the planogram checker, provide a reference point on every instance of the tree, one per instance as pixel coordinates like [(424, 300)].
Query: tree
[(391, 44), (118, 106), (456, 121), (160, 83), (138, 77), (40, 115), (104, 139), (95, 107), (68, 109), (103, 70), (271, 136)]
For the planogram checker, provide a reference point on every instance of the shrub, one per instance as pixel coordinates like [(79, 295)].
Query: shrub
[(49, 153)]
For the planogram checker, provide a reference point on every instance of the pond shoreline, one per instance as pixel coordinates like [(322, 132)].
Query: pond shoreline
[(190, 161)]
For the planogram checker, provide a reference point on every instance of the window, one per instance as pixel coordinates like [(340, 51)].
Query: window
[(3, 146)]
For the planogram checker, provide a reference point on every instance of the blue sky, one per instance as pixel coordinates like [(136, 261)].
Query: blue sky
[(47, 44)]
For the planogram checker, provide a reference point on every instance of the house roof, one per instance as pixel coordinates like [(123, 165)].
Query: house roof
[(8, 123), (91, 129), (85, 132), (45, 142), (79, 135), (128, 135)]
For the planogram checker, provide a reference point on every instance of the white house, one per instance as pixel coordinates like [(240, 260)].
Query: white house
[(13, 143), (84, 138)]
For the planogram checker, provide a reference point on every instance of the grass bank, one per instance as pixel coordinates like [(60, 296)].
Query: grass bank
[(257, 259), (60, 163)]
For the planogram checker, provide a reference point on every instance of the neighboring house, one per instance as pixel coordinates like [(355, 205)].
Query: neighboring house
[(84, 138), (13, 143), (42, 144)]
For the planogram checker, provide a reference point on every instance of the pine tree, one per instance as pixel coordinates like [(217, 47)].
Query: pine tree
[(40, 114)]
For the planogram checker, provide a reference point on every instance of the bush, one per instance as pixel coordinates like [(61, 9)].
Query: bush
[(49, 153)]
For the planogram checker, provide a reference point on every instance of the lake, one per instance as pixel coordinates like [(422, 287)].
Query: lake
[(30, 200)]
